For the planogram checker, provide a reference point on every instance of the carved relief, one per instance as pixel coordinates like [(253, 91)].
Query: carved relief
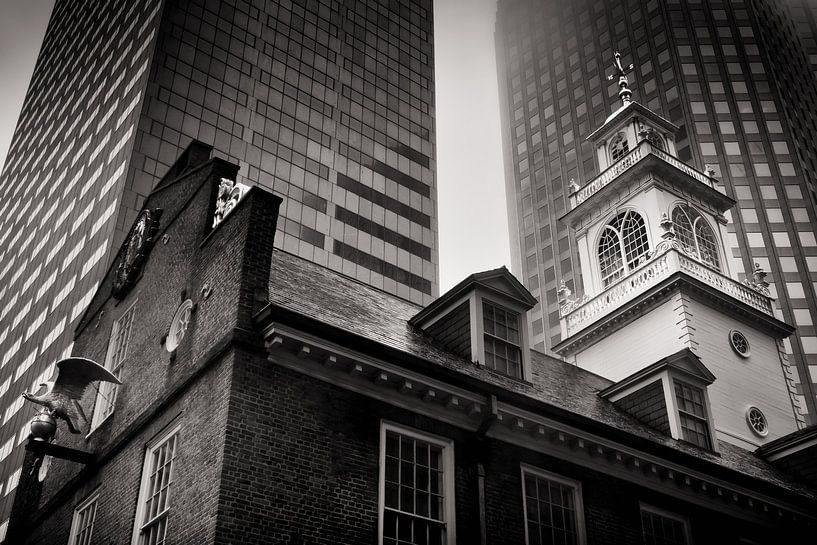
[(229, 194)]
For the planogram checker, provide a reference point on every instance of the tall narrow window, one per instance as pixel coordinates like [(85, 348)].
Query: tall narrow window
[(82, 526), (153, 507), (117, 352), (502, 345), (663, 528), (416, 488), (553, 508), (622, 246), (692, 412), (695, 235), (619, 147)]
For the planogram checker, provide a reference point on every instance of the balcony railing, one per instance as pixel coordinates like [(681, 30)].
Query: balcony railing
[(640, 152), (577, 315)]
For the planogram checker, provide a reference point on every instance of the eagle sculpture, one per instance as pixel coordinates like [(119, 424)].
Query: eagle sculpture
[(62, 395)]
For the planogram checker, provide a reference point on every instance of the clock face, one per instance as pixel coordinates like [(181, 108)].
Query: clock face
[(137, 239), (135, 252)]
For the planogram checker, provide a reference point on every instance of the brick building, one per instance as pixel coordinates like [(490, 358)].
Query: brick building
[(268, 399)]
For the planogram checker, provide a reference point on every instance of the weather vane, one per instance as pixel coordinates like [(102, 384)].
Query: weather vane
[(621, 71)]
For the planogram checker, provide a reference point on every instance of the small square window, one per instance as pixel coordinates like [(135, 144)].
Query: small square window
[(153, 507), (692, 412), (117, 352), (416, 487), (82, 526), (664, 528), (553, 508), (502, 340)]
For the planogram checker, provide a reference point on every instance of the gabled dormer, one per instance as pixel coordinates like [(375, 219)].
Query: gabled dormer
[(671, 396), (483, 319)]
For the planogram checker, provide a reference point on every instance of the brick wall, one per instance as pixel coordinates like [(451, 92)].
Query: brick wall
[(301, 466), (192, 385)]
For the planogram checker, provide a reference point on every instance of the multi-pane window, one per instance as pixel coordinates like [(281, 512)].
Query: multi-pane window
[(153, 507), (695, 235), (662, 528), (416, 488), (692, 412), (553, 509), (619, 147), (622, 246), (502, 345), (82, 526), (117, 352)]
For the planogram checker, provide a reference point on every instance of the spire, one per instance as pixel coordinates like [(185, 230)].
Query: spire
[(621, 71)]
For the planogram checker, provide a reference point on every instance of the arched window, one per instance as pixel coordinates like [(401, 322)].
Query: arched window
[(622, 245), (655, 140), (619, 147), (695, 235)]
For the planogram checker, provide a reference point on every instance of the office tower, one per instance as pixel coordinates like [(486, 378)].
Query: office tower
[(329, 104), (736, 77)]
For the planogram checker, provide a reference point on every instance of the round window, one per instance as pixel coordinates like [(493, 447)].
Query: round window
[(178, 327), (757, 421), (739, 342)]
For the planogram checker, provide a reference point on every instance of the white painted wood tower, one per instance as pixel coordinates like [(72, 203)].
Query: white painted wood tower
[(658, 286)]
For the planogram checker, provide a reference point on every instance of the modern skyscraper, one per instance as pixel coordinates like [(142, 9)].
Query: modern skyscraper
[(328, 103), (737, 77)]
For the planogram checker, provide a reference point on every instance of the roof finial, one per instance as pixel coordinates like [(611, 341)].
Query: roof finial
[(621, 71)]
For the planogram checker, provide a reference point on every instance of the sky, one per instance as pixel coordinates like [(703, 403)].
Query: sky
[(473, 229)]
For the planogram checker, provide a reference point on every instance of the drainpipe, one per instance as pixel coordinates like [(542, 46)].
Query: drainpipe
[(486, 424)]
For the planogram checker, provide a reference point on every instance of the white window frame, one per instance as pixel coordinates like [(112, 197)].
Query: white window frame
[(581, 535), (666, 514), (82, 506), (155, 444), (107, 391), (449, 502)]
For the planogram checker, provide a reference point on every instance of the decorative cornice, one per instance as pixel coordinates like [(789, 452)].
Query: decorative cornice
[(443, 401)]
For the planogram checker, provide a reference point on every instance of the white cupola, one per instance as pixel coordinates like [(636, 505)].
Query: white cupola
[(656, 279)]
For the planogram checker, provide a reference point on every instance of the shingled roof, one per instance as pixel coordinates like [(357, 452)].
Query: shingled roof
[(363, 312)]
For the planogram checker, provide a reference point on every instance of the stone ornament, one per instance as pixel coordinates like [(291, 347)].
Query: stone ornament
[(134, 254), (229, 194)]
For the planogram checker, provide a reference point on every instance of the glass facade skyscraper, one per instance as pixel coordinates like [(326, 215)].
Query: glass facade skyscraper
[(329, 103), (738, 77)]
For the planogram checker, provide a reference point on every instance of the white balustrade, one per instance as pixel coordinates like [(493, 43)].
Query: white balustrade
[(576, 317), (644, 149)]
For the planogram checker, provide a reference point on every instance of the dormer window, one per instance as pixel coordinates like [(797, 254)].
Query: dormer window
[(695, 235), (622, 246), (483, 320), (670, 396), (692, 413), (619, 147), (501, 330)]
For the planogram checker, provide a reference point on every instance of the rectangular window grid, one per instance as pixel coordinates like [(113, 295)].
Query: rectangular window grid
[(83, 525), (414, 491), (117, 352), (692, 411), (154, 496), (663, 528), (550, 510), (502, 350)]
